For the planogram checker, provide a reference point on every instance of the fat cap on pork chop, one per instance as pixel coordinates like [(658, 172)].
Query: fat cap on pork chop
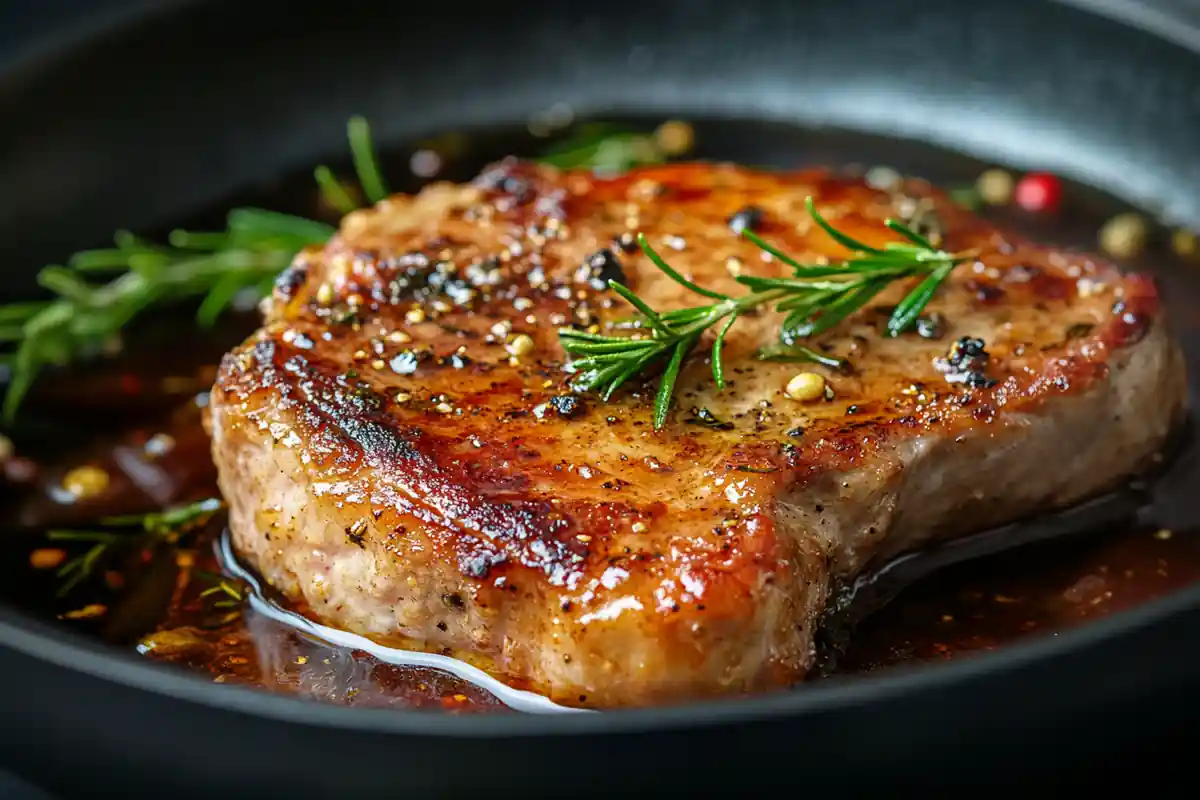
[(401, 450)]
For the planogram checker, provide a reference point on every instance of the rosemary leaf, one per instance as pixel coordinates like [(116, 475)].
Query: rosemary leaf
[(650, 314), (218, 297), (254, 225), (607, 348), (831, 315), (666, 387), (718, 366), (630, 370), (910, 308), (332, 190), (671, 273), (77, 570), (844, 240), (192, 240), (779, 351), (19, 312), (101, 260), (908, 233), (366, 164), (795, 284), (604, 148), (63, 281)]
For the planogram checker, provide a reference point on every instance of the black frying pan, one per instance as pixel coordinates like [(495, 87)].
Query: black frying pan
[(142, 112)]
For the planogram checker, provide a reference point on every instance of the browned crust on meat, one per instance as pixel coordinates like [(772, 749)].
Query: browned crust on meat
[(484, 460)]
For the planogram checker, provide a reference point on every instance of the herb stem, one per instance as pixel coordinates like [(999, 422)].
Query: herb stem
[(332, 190), (218, 266), (366, 164), (151, 529), (816, 298)]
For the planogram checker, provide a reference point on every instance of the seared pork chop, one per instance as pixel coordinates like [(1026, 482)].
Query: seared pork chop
[(401, 450)]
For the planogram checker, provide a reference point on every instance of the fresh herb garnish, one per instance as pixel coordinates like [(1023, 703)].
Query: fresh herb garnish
[(258, 244), (226, 592), (158, 527), (255, 246), (778, 351), (604, 148), (371, 182), (218, 266), (816, 298)]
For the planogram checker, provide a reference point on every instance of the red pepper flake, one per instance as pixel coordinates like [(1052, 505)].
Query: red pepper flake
[(1039, 193)]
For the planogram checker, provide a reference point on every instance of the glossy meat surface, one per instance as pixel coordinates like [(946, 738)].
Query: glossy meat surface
[(390, 461)]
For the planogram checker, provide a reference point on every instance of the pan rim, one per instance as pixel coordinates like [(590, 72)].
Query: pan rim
[(73, 651), (1164, 23), (43, 641)]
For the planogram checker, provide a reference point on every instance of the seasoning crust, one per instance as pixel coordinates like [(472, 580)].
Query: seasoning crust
[(402, 451)]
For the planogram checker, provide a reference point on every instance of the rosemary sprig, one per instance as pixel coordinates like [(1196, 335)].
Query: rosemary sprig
[(366, 166), (816, 298), (86, 318), (158, 527), (254, 248)]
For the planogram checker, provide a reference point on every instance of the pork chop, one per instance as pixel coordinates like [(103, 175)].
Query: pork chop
[(399, 457)]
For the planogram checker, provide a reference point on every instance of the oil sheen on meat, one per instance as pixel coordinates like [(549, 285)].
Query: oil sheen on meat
[(397, 459)]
